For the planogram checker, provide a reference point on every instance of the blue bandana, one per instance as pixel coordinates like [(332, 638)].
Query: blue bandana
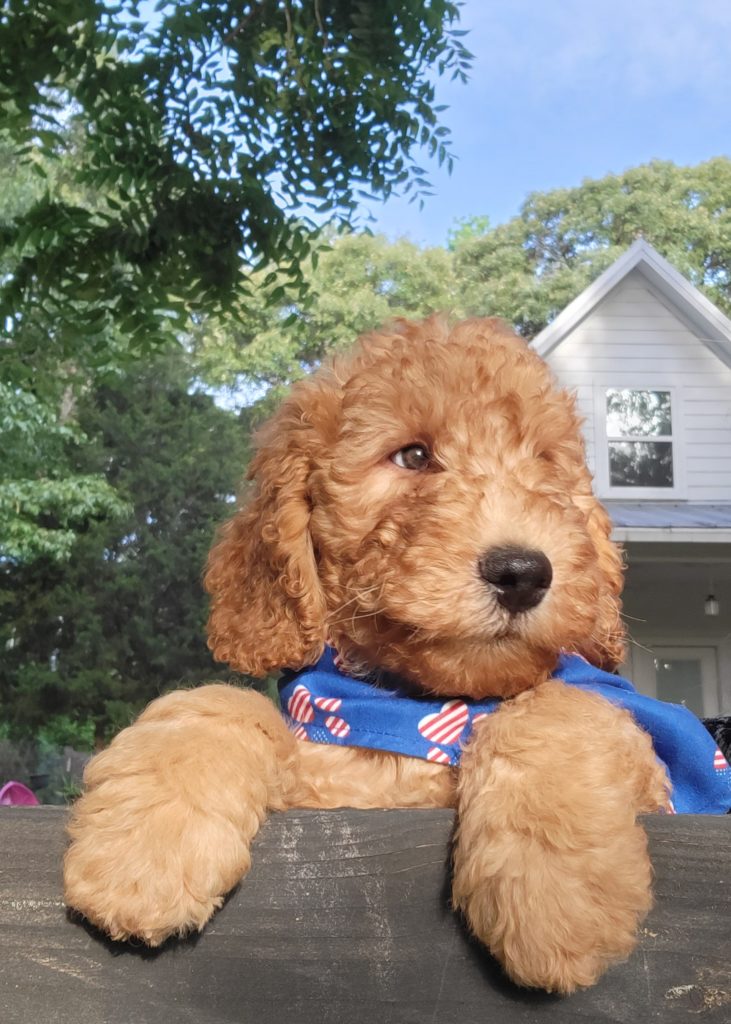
[(323, 705)]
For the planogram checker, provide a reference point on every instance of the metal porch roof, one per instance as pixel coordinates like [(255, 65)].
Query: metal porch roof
[(669, 515)]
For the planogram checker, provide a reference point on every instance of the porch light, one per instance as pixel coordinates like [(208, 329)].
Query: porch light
[(711, 606)]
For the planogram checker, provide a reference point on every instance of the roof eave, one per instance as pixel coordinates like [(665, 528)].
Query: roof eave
[(710, 325), (670, 535)]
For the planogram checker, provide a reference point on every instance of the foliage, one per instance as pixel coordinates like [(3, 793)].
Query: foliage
[(41, 518), (526, 271), (359, 282), (87, 640), (94, 638), (466, 229), (66, 731), (217, 129), (529, 268), (43, 503)]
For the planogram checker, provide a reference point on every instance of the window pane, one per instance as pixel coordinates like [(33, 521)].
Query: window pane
[(638, 413), (641, 463), (679, 680)]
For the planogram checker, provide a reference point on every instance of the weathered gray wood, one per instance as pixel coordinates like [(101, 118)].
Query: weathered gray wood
[(345, 919)]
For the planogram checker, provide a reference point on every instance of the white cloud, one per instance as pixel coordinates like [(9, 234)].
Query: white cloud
[(644, 47)]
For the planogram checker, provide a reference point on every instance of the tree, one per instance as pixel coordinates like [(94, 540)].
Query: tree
[(526, 271), (531, 267), (359, 282), (43, 501), (217, 130), (92, 639), (464, 229)]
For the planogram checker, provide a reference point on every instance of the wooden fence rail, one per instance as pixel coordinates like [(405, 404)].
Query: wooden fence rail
[(345, 918)]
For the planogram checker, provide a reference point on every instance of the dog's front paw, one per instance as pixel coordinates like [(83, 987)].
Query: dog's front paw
[(551, 866), (556, 918), (163, 829), (150, 870)]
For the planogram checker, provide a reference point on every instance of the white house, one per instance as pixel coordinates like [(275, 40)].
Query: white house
[(650, 360)]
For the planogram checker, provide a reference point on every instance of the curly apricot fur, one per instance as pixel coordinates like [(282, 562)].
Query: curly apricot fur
[(336, 543)]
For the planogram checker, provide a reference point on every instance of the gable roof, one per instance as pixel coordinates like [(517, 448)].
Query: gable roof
[(704, 319)]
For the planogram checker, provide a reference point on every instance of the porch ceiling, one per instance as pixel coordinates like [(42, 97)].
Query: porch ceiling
[(666, 586)]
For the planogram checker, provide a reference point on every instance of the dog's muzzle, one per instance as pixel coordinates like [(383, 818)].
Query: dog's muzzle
[(519, 578)]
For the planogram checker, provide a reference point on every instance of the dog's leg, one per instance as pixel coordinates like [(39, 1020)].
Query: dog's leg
[(162, 831), (551, 867), (332, 776)]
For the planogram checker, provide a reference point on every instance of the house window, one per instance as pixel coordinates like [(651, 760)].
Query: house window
[(640, 438)]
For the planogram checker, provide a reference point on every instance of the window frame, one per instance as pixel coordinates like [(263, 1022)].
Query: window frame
[(605, 489)]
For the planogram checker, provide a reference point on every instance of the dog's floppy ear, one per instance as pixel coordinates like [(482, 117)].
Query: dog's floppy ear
[(605, 647), (267, 606)]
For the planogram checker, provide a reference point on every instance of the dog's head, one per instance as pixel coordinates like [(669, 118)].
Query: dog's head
[(423, 504)]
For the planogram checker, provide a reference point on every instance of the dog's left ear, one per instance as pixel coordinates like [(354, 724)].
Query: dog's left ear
[(267, 605), (606, 646)]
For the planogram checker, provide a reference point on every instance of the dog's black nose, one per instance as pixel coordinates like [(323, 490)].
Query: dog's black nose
[(520, 578)]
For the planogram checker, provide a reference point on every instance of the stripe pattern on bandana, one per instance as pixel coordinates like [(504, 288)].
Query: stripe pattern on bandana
[(323, 705)]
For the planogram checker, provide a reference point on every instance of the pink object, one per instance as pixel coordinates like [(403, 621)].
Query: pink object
[(15, 794)]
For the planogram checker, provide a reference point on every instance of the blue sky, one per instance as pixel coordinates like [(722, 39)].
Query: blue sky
[(562, 90)]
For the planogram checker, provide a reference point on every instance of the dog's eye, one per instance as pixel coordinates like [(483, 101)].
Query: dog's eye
[(413, 456)]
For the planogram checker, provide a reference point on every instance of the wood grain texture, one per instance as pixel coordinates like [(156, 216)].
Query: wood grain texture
[(345, 918)]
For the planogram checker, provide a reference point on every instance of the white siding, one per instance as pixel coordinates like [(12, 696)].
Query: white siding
[(632, 339)]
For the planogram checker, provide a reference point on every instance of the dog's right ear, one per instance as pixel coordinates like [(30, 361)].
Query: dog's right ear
[(267, 605)]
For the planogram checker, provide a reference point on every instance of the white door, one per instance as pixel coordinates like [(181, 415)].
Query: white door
[(681, 675)]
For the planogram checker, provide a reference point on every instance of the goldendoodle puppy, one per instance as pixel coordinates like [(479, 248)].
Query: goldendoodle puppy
[(422, 506)]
